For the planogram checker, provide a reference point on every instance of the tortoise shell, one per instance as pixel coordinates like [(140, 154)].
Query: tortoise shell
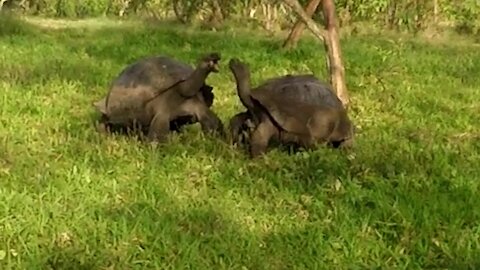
[(302, 88), (139, 83), (284, 97)]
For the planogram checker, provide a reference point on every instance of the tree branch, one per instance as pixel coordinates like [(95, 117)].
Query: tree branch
[(294, 36), (330, 39), (298, 9)]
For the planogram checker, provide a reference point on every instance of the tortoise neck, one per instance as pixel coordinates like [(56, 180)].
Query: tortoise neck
[(243, 90), (196, 81)]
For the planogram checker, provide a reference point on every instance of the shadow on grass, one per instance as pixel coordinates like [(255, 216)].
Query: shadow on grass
[(156, 231), (12, 26)]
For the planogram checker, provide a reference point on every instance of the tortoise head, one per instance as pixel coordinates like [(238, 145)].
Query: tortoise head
[(210, 62), (346, 134), (239, 69)]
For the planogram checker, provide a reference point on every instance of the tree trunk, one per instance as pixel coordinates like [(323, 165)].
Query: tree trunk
[(217, 12), (391, 15), (337, 70), (294, 36), (1, 4), (331, 42)]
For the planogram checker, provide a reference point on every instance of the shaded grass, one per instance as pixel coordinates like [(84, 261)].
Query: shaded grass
[(71, 198)]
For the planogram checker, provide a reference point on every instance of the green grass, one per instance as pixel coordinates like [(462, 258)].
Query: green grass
[(70, 198)]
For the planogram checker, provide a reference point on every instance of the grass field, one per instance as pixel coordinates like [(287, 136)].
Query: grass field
[(407, 197)]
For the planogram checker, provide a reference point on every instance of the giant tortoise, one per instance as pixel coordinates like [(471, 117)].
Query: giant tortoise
[(302, 88), (295, 109), (158, 94)]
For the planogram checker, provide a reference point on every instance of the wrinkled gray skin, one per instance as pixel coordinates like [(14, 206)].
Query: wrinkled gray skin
[(159, 94), (304, 88), (290, 109)]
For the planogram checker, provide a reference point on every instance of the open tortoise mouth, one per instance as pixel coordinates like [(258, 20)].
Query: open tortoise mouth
[(212, 60), (214, 65)]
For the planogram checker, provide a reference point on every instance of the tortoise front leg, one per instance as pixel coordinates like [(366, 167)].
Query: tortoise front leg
[(236, 125), (209, 121), (261, 138), (159, 128), (180, 122)]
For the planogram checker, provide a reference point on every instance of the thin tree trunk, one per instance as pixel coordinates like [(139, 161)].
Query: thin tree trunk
[(391, 14), (331, 42), (337, 70), (217, 11), (1, 4), (294, 36)]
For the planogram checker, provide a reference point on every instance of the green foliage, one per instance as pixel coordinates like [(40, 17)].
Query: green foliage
[(70, 198), (412, 15), (467, 16), (409, 15)]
